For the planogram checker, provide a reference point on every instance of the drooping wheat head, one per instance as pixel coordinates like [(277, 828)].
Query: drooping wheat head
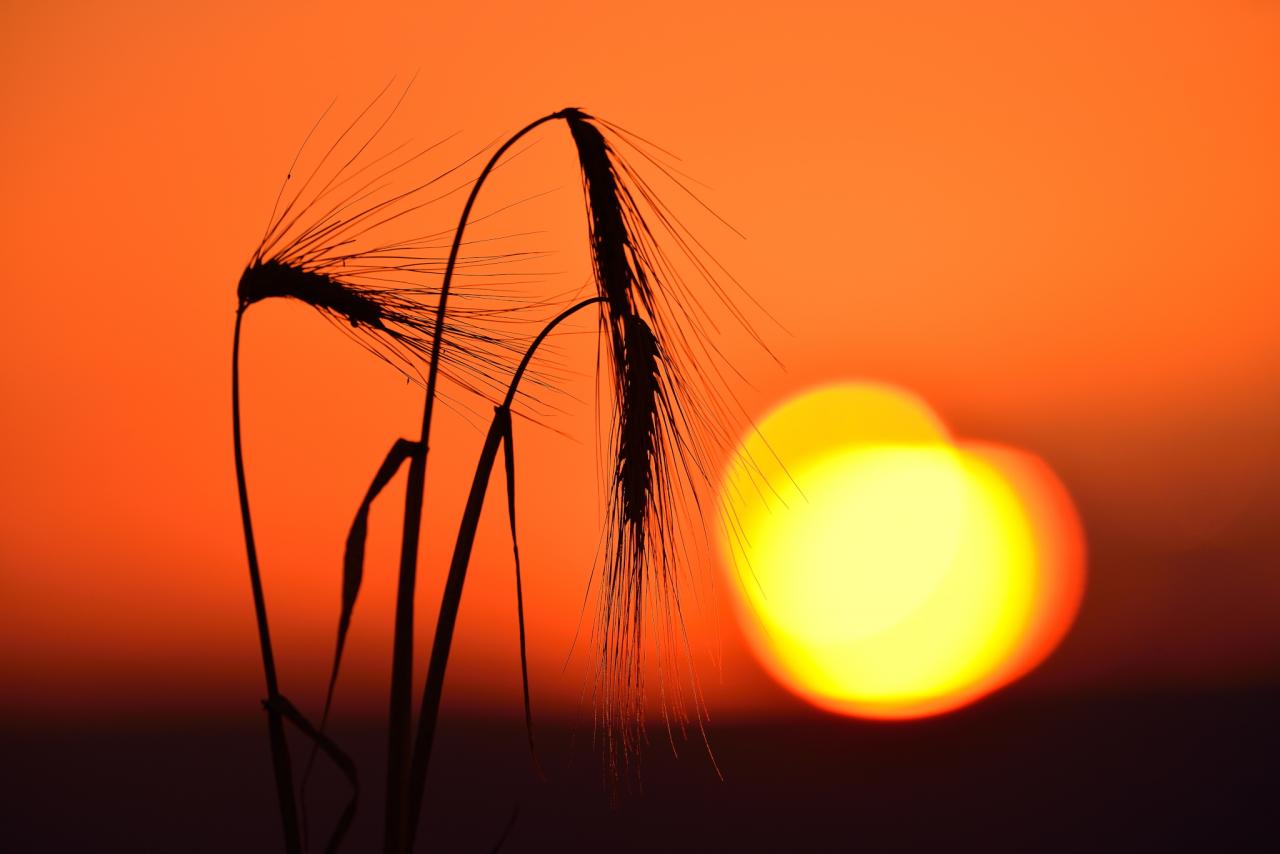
[(670, 420)]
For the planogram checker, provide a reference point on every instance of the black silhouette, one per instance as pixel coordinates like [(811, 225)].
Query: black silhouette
[(669, 416)]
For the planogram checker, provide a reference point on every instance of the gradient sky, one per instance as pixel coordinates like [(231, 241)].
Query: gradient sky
[(1057, 222)]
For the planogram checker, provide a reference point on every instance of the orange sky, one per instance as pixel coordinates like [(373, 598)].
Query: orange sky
[(1056, 222)]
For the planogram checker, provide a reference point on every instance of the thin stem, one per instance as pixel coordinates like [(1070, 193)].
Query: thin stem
[(399, 723), (431, 692), (275, 724)]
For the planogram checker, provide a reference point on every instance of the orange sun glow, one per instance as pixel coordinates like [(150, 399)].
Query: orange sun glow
[(884, 569)]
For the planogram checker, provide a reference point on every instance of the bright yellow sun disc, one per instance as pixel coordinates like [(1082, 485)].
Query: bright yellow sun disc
[(883, 571)]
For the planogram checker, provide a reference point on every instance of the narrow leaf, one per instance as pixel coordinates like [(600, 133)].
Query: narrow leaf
[(352, 577), (509, 455), (353, 557), (281, 705)]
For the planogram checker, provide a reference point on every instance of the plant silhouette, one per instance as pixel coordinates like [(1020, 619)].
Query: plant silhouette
[(317, 250), (669, 418)]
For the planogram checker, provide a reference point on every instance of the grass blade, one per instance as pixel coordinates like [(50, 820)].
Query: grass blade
[(353, 557), (432, 689), (509, 457), (352, 578), (281, 706)]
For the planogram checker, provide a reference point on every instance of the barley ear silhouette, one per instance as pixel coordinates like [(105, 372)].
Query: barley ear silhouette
[(640, 457), (669, 419)]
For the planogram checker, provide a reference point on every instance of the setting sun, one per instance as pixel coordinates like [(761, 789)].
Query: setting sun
[(887, 571)]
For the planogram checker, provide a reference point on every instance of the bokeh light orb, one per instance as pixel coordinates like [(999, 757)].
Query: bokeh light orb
[(883, 569)]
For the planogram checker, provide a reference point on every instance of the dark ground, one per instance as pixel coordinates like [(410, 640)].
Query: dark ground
[(1152, 773)]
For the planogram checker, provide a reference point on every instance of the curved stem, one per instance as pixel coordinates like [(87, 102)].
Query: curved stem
[(400, 711), (533, 348), (431, 692), (275, 724)]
